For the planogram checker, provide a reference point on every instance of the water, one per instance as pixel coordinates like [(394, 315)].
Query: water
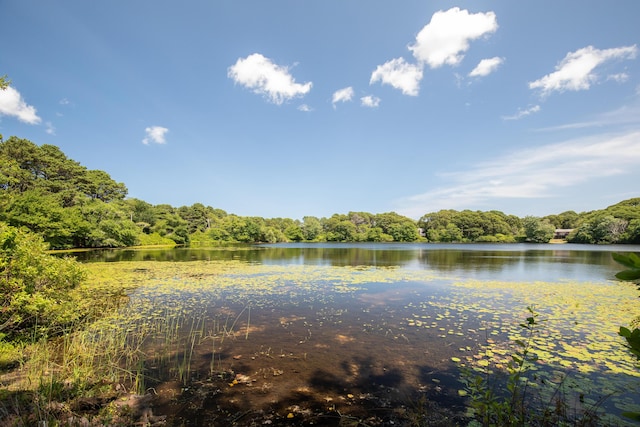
[(500, 261), (320, 332)]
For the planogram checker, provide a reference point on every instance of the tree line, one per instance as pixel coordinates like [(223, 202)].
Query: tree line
[(71, 206)]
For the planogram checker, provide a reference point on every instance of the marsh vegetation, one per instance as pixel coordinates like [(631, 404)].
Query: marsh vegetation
[(332, 335)]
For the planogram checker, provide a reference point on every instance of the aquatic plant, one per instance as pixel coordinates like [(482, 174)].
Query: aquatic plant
[(632, 336), (528, 399)]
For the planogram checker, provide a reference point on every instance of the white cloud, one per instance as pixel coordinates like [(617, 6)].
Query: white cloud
[(446, 38), (305, 108), (522, 113), (619, 77), (64, 101), (51, 130), (12, 104), (370, 101), (155, 134), (342, 95), (531, 173), (576, 71), (399, 74), (623, 116), (274, 81), (486, 67)]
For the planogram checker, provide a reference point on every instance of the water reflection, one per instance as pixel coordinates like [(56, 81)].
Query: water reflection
[(500, 262)]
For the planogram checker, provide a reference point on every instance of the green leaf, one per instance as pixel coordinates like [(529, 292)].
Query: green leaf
[(635, 259), (628, 275), (624, 332), (627, 260)]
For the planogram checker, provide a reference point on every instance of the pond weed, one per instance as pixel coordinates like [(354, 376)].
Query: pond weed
[(528, 399)]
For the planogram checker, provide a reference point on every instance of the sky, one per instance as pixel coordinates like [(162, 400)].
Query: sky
[(287, 108)]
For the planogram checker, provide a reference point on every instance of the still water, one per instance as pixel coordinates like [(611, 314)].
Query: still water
[(315, 333), (499, 261)]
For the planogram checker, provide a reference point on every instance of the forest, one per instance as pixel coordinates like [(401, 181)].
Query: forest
[(70, 206)]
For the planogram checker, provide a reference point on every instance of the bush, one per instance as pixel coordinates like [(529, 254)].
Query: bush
[(35, 287)]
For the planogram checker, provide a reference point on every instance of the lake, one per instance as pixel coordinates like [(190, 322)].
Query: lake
[(327, 334)]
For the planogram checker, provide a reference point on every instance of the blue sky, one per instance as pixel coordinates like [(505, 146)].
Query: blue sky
[(291, 108)]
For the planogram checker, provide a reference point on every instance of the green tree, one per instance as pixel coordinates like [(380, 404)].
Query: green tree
[(97, 184), (608, 229), (197, 216), (451, 233), (311, 228), (600, 227), (538, 230), (376, 234), (632, 234), (401, 228), (105, 225), (169, 224), (341, 231), (42, 213), (294, 233)]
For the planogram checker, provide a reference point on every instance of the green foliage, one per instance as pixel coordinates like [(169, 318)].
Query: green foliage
[(44, 191), (538, 230), (294, 233), (632, 233), (48, 169), (518, 402), (619, 223), (632, 262), (633, 340), (491, 407), (155, 239), (469, 226), (565, 220), (341, 230), (311, 228), (35, 287)]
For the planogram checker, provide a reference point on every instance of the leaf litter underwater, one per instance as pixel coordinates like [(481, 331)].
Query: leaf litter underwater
[(235, 343)]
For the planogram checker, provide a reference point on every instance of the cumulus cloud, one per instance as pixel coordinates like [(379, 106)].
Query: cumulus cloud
[(486, 67), (522, 113), (399, 74), (12, 104), (531, 173), (261, 75), (155, 134), (577, 70), (370, 101), (305, 108), (445, 39), (342, 95)]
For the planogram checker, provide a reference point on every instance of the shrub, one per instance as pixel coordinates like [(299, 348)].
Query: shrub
[(35, 286)]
